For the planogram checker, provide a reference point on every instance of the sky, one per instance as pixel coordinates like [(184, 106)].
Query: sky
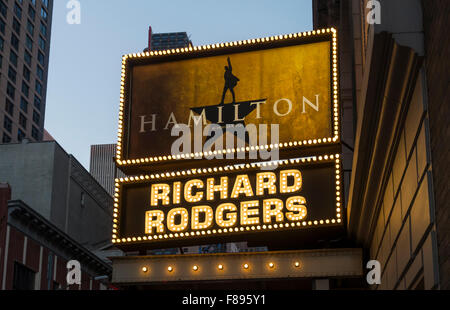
[(85, 59)]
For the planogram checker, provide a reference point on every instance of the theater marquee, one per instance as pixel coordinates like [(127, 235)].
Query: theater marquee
[(228, 203), (288, 80)]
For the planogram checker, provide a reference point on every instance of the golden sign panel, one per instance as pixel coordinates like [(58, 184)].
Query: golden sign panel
[(228, 203), (288, 81)]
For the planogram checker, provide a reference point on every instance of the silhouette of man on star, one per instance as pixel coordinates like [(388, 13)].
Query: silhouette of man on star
[(228, 114), (230, 82)]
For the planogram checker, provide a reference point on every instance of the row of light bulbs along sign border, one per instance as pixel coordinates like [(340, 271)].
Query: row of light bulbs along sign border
[(246, 266), (121, 162), (237, 167)]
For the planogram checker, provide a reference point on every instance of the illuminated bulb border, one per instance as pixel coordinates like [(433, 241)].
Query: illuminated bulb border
[(186, 50), (221, 267), (204, 171)]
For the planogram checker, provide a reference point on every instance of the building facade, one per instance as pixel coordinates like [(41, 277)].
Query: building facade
[(391, 60), (25, 30), (34, 253), (56, 186), (102, 166)]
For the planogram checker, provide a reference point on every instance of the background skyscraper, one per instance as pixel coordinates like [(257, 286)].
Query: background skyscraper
[(167, 40), (103, 167), (25, 28)]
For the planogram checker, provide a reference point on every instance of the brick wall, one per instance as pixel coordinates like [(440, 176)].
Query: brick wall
[(15, 254), (26, 251), (437, 45), (405, 231)]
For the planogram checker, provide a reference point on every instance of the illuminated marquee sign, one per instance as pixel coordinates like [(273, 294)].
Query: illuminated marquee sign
[(289, 80), (228, 203)]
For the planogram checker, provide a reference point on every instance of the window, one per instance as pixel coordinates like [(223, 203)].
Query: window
[(20, 135), (44, 14), (42, 43), (83, 199), (16, 26), (2, 26), (12, 74), (30, 27), (29, 43), (38, 88), (23, 121), (10, 90), (13, 58), (26, 73), (24, 104), (27, 58), (7, 124), (31, 12), (37, 102), (43, 29), (40, 73), (35, 133), (9, 107), (36, 117), (41, 58), (25, 89), (2, 43), (14, 42), (45, 2), (6, 138), (49, 270), (18, 10), (3, 8)]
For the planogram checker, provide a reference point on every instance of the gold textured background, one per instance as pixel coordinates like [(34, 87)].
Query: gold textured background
[(286, 72)]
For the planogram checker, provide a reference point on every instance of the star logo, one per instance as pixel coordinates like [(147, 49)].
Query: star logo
[(233, 113)]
